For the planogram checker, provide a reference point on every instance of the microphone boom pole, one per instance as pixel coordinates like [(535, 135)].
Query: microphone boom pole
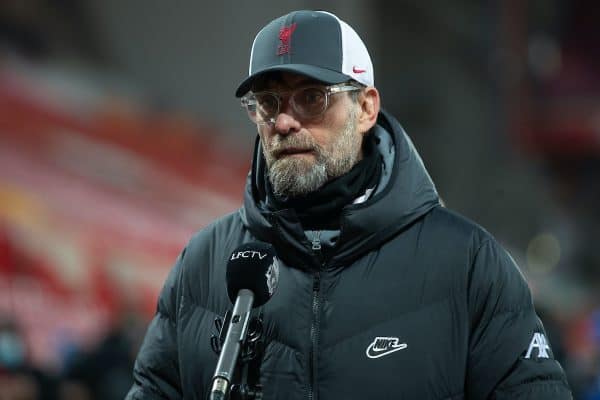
[(236, 334)]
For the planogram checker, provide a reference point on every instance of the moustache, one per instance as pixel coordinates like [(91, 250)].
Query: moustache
[(293, 144)]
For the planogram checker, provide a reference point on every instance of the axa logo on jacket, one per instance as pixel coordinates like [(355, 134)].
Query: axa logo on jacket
[(540, 343)]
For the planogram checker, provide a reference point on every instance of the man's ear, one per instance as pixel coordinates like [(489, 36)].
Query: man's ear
[(369, 104)]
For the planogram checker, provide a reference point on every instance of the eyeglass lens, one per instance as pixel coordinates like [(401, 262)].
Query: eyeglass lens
[(307, 103)]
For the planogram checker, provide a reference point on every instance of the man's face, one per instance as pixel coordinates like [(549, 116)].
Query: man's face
[(302, 155)]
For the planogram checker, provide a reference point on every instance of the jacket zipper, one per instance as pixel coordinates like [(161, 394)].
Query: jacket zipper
[(316, 243), (314, 337), (314, 328)]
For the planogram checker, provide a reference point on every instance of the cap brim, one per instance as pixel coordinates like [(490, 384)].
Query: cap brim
[(321, 74)]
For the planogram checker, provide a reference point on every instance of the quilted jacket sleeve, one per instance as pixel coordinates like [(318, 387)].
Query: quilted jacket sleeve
[(509, 355), (156, 370)]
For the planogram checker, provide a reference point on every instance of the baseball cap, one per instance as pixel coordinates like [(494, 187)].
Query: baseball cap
[(313, 43)]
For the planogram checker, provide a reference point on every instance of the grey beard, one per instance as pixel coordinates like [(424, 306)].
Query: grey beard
[(293, 177)]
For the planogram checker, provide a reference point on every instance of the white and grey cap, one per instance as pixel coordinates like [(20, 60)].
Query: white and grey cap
[(313, 43)]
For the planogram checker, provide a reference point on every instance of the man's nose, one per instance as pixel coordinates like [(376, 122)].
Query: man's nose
[(286, 121)]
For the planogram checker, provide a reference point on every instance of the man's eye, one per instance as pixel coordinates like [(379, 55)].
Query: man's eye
[(311, 96), (267, 103)]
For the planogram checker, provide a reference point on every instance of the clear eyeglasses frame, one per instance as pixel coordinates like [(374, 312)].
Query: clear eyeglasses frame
[(308, 102)]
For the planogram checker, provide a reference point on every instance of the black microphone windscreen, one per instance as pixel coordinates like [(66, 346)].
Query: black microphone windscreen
[(253, 266)]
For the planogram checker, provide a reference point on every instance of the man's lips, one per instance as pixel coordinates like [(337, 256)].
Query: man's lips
[(291, 151)]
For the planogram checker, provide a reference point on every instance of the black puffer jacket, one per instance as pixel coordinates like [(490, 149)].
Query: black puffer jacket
[(416, 303)]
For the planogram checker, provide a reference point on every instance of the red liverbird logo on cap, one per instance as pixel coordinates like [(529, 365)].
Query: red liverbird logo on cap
[(285, 34)]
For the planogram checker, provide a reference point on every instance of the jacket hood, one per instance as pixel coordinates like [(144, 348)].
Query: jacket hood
[(408, 195)]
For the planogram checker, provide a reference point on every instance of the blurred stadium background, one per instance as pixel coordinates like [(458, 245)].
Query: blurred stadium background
[(120, 136)]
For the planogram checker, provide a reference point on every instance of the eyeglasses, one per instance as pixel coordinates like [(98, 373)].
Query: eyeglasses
[(308, 102)]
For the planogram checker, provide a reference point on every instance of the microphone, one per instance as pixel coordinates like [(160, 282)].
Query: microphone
[(252, 276)]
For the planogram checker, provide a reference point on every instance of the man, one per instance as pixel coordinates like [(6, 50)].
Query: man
[(383, 293)]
